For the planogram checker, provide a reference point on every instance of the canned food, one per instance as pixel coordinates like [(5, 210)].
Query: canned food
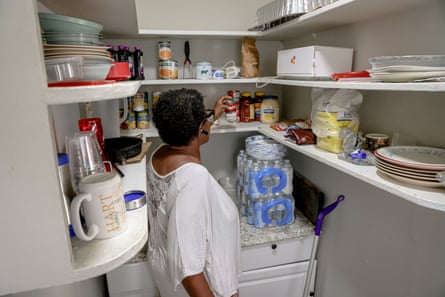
[(138, 102), (231, 113), (142, 120), (235, 94), (155, 97), (165, 52), (168, 69), (130, 122)]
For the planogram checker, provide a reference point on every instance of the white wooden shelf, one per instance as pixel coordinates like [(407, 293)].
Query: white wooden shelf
[(433, 198), (223, 127), (167, 82), (92, 258), (64, 95), (357, 85), (330, 84)]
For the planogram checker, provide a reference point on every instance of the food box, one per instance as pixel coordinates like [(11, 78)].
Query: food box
[(313, 61)]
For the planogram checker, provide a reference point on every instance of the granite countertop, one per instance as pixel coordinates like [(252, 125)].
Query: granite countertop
[(252, 236)]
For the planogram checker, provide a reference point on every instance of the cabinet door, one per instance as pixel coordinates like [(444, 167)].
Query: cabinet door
[(283, 281)]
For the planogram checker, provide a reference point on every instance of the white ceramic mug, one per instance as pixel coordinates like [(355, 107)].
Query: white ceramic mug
[(103, 204)]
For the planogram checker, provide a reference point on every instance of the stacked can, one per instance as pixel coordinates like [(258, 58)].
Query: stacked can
[(138, 112), (168, 68), (233, 109)]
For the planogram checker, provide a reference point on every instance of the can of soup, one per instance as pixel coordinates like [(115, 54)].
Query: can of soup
[(168, 69), (165, 52)]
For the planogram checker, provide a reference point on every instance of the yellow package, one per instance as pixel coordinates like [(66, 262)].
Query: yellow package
[(328, 126)]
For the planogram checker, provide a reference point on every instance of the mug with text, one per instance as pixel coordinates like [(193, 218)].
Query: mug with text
[(103, 207)]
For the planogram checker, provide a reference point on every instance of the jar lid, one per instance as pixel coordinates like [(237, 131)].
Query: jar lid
[(203, 63), (259, 93), (245, 94), (134, 199)]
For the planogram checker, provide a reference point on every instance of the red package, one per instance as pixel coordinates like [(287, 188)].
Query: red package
[(301, 136)]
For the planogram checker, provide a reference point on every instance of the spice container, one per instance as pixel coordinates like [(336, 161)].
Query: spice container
[(257, 105)]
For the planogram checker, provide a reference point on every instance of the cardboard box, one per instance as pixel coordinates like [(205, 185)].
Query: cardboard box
[(313, 61)]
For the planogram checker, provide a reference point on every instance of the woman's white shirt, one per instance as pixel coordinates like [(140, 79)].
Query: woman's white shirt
[(194, 228)]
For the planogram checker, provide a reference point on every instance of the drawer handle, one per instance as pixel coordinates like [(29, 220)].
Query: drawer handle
[(274, 246)]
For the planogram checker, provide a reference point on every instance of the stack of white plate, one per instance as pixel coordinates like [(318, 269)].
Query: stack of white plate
[(416, 165), (408, 68)]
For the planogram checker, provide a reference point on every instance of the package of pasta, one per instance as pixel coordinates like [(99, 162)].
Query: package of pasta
[(332, 111)]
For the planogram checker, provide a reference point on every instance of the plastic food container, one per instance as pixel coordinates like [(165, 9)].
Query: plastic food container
[(96, 71), (134, 199), (64, 69)]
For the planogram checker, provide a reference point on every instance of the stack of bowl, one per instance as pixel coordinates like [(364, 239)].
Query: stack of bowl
[(71, 49)]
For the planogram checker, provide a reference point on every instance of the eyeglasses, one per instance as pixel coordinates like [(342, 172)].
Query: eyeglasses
[(210, 115)]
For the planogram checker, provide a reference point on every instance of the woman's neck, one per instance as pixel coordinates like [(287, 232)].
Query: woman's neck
[(191, 150)]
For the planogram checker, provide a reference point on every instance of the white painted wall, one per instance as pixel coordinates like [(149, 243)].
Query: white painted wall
[(376, 244)]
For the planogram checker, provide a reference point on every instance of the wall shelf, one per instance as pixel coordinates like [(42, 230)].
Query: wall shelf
[(433, 198)]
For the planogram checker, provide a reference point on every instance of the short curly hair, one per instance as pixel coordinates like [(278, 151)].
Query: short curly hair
[(178, 114)]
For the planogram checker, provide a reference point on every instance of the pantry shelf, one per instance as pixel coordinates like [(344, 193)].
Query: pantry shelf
[(433, 198), (223, 127), (96, 257), (164, 82), (64, 95), (370, 86)]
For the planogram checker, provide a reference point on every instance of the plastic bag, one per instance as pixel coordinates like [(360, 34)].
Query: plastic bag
[(333, 110), (250, 58)]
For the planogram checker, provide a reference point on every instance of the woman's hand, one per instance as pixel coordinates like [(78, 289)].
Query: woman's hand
[(220, 105)]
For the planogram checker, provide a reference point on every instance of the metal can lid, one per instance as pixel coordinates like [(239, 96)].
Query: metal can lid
[(134, 199)]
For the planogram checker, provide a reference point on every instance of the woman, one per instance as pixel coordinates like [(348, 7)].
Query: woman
[(194, 246)]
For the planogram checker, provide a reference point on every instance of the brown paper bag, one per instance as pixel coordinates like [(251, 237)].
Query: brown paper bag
[(250, 58)]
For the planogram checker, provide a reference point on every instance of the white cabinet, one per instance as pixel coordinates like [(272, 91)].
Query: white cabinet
[(37, 251), (276, 268)]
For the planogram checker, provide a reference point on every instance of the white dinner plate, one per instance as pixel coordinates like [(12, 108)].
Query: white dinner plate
[(405, 68), (414, 156), (75, 53), (421, 183), (405, 170), (405, 76), (70, 47), (404, 174)]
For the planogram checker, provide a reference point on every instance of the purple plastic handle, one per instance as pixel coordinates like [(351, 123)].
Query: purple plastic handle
[(324, 212)]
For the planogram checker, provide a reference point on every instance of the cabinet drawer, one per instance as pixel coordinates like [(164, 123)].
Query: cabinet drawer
[(276, 253), (283, 281)]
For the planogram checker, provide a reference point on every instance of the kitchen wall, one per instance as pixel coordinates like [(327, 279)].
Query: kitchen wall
[(374, 243)]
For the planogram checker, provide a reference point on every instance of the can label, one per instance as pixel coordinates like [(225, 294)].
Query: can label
[(138, 102), (142, 120), (155, 97), (231, 113), (130, 122), (165, 52), (168, 69)]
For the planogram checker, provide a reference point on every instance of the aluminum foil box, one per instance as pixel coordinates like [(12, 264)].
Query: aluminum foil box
[(313, 61)]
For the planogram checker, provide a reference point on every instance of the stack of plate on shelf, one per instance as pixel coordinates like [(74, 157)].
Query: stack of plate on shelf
[(408, 68), (71, 49), (416, 165), (60, 29)]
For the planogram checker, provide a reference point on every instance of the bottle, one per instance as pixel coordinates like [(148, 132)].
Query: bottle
[(270, 110), (257, 105), (113, 53), (121, 54), (66, 187), (247, 111), (130, 60), (289, 170), (138, 63)]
